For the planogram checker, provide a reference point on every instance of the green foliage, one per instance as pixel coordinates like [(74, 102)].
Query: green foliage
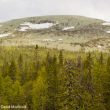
[(48, 79), (12, 70), (106, 86), (61, 58), (39, 91)]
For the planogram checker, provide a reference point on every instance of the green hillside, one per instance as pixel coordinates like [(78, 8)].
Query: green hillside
[(88, 34)]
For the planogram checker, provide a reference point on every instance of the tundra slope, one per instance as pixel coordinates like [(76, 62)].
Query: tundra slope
[(72, 33)]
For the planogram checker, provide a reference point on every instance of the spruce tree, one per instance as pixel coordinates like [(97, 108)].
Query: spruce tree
[(70, 97), (89, 75), (12, 70), (5, 68), (21, 69), (51, 82), (61, 58), (40, 88), (18, 96), (106, 86), (88, 82), (36, 62)]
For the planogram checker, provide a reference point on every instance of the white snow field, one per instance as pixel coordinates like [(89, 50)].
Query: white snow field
[(48, 40), (68, 28), (60, 39), (27, 25), (23, 29), (106, 23), (107, 31), (99, 46), (5, 35)]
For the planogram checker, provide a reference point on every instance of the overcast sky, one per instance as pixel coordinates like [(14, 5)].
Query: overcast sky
[(11, 9)]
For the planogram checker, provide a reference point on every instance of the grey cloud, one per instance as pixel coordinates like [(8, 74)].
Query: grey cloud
[(10, 9)]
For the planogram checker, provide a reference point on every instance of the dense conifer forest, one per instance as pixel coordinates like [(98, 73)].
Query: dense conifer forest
[(51, 79)]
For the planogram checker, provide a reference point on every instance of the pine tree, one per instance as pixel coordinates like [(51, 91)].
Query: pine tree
[(88, 82), (40, 88), (61, 58), (70, 97), (101, 59), (69, 86), (89, 75), (1, 90), (18, 96), (21, 69), (5, 68), (8, 89), (106, 86), (12, 70), (52, 82), (99, 70), (5, 90), (36, 62), (37, 53), (20, 62)]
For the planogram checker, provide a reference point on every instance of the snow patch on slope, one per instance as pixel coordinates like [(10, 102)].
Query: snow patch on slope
[(60, 39), (51, 40), (48, 40), (23, 29), (27, 25), (108, 32), (99, 46), (5, 35), (68, 28), (106, 23)]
